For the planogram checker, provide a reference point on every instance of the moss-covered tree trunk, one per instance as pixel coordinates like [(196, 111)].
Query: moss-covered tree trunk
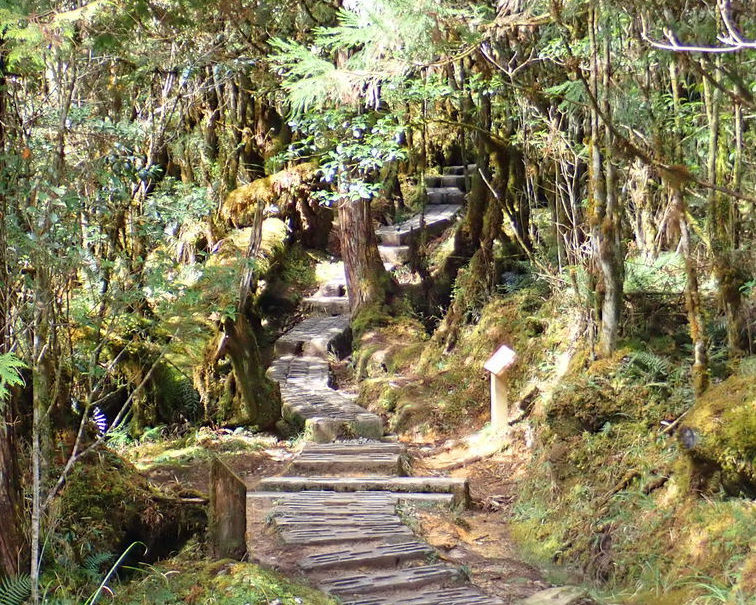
[(606, 227), (367, 281), (262, 406)]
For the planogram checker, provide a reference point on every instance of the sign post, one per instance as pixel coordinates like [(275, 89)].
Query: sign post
[(497, 365)]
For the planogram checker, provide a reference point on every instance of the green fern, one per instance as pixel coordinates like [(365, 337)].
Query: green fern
[(93, 563), (14, 590), (10, 375), (649, 366)]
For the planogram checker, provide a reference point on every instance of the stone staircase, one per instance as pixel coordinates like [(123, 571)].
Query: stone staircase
[(445, 197), (336, 509)]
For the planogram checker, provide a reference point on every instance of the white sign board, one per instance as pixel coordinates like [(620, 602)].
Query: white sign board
[(501, 360)]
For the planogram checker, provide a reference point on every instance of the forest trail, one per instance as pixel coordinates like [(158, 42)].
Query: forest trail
[(339, 514)]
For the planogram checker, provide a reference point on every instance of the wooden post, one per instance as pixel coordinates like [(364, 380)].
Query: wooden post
[(228, 513), (497, 365)]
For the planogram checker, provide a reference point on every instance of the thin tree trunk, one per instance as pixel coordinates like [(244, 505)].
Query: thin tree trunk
[(700, 376), (720, 226)]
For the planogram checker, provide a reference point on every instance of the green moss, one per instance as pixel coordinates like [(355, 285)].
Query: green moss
[(722, 428), (178, 582), (106, 506), (369, 317)]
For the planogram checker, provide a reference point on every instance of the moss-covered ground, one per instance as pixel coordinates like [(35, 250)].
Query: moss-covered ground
[(188, 580), (610, 487)]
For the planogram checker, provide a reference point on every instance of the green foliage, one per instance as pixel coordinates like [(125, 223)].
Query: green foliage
[(184, 580), (15, 590), (10, 375), (386, 40), (664, 274), (351, 149)]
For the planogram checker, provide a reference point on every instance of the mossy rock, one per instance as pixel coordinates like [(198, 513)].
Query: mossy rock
[(106, 506), (719, 434), (590, 397)]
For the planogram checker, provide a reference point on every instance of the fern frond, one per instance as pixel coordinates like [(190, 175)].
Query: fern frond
[(14, 590), (93, 563), (10, 375), (652, 365)]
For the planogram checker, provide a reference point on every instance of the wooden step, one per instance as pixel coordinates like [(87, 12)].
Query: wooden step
[(396, 255), (445, 195), (355, 447), (458, 170), (327, 305), (316, 336), (337, 534), (457, 487), (450, 596), (382, 555), (335, 464), (356, 500), (327, 519), (410, 578), (433, 221)]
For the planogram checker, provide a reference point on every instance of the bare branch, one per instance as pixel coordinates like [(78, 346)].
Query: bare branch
[(732, 40)]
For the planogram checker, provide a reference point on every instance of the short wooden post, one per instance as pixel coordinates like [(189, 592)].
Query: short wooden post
[(228, 513), (497, 365)]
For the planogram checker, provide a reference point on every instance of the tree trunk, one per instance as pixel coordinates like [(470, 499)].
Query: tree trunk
[(606, 230), (368, 283), (720, 227), (700, 377), (261, 406), (11, 538)]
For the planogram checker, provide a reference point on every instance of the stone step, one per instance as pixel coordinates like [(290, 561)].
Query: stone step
[(316, 336), (436, 219), (327, 305), (325, 415), (334, 534), (447, 180), (312, 372), (351, 448), (454, 170), (457, 487), (400, 579), (362, 464), (445, 195), (385, 554), (396, 255), (326, 518), (450, 596)]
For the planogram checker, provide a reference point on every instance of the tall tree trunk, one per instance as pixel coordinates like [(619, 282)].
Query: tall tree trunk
[(606, 231), (368, 283), (11, 538), (700, 375), (720, 226)]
